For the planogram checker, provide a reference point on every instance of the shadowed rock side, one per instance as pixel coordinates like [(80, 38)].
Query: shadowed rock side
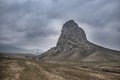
[(73, 45)]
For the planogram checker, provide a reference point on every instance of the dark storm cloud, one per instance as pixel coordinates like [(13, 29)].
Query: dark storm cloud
[(37, 23)]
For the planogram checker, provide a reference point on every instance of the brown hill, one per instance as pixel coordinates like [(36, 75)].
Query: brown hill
[(73, 45)]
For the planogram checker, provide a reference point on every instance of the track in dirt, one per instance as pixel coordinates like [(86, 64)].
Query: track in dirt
[(12, 69)]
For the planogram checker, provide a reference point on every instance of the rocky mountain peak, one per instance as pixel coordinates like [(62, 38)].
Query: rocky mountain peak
[(70, 23), (70, 26), (73, 46), (71, 34)]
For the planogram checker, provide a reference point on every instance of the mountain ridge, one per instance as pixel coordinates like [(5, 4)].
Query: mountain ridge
[(73, 45)]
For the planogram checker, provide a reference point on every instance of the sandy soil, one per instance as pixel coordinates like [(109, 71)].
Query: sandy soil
[(31, 70)]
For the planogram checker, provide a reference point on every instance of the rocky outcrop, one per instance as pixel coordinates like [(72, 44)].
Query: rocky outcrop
[(73, 45)]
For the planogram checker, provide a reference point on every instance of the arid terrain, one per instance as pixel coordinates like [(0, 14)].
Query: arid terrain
[(74, 58), (59, 39), (18, 69)]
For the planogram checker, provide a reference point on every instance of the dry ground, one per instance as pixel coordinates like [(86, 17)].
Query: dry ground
[(15, 69)]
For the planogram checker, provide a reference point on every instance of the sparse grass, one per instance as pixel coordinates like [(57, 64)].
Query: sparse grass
[(41, 70), (2, 68), (32, 73)]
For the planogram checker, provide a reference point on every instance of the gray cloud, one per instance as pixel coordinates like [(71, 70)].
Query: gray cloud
[(37, 23)]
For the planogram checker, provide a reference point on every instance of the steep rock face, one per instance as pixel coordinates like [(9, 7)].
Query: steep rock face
[(71, 36), (73, 45), (71, 32)]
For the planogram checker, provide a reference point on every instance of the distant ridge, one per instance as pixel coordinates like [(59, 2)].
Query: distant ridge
[(73, 45), (7, 48)]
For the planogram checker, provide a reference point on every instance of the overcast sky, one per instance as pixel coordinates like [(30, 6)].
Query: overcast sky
[(33, 24)]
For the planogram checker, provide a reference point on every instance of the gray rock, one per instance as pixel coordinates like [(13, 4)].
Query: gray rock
[(73, 45)]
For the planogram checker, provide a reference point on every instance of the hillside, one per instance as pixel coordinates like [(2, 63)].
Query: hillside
[(73, 45)]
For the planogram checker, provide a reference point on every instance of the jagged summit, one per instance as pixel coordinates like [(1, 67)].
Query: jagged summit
[(73, 45), (71, 34), (70, 23)]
